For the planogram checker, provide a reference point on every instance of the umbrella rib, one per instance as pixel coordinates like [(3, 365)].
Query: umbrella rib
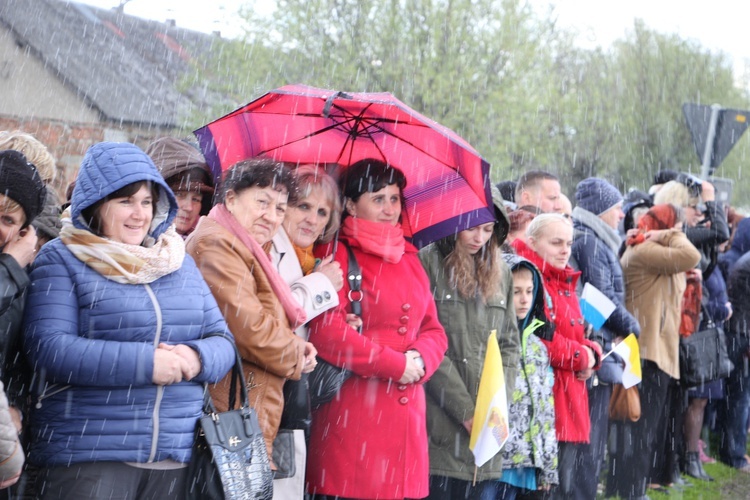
[(410, 143), (307, 136)]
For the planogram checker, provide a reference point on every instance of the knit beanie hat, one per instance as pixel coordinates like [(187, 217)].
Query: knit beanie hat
[(597, 195), (20, 181)]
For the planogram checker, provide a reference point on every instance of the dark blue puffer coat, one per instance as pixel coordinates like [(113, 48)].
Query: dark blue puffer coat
[(91, 340)]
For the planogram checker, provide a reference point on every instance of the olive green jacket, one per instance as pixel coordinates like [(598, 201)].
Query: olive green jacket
[(452, 390)]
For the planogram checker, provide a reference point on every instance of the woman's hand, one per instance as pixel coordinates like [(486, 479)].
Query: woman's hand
[(413, 371), (23, 247), (191, 360), (708, 192), (584, 375), (167, 367), (310, 361), (332, 271), (592, 357), (15, 416), (354, 321), (10, 482), (469, 424)]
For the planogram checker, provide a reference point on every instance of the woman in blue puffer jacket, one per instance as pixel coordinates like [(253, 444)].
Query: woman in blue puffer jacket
[(116, 328)]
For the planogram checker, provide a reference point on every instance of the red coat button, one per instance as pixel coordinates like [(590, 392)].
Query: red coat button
[(402, 330), (402, 388), (404, 319), (403, 400), (405, 307)]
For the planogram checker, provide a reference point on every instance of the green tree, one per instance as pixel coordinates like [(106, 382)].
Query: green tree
[(500, 74)]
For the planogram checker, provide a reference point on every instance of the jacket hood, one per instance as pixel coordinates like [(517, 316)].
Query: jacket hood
[(502, 226), (109, 166), (541, 297), (741, 241)]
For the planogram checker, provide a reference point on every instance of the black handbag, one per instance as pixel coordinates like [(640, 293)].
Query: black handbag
[(704, 357), (326, 380), (230, 460)]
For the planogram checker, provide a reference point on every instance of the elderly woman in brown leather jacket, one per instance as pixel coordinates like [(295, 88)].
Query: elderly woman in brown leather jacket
[(230, 246)]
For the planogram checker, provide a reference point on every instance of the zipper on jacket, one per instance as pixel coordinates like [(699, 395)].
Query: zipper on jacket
[(159, 388), (49, 391)]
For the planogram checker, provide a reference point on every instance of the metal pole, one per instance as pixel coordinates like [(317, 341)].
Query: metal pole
[(709, 147)]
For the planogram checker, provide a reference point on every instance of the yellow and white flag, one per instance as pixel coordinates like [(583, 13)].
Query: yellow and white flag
[(490, 430), (628, 350)]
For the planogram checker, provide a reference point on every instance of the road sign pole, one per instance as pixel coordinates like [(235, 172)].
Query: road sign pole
[(709, 147)]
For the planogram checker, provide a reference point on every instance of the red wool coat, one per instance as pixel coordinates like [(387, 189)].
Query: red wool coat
[(566, 352), (371, 442)]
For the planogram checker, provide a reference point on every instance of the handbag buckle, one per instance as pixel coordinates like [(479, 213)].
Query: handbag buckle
[(215, 416)]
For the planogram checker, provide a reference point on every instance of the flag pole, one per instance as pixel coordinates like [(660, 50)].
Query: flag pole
[(474, 483)]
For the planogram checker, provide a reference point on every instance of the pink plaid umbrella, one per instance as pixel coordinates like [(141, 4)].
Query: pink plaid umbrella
[(448, 183)]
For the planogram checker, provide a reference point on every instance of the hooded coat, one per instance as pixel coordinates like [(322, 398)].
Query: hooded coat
[(92, 340), (533, 441), (740, 246), (452, 390), (566, 350)]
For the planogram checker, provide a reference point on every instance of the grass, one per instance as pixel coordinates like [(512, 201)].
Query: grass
[(728, 484)]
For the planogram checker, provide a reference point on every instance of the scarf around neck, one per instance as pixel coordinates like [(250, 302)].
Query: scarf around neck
[(376, 238), (121, 262), (600, 228), (306, 258), (294, 312)]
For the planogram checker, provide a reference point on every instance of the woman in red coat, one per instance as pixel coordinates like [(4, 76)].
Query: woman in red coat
[(550, 237), (371, 440)]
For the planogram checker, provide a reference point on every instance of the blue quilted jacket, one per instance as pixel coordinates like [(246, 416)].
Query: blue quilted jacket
[(91, 340)]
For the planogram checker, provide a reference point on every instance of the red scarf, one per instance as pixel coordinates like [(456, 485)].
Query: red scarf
[(658, 217), (294, 312), (377, 238), (691, 307)]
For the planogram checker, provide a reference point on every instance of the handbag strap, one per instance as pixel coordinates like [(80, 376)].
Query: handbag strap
[(709, 321), (238, 377), (354, 277)]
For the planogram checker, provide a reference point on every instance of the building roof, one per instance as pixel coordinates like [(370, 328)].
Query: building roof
[(131, 69)]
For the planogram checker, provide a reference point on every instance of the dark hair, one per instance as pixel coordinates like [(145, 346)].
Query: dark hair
[(370, 176), (507, 190), (258, 172), (531, 179), (91, 214)]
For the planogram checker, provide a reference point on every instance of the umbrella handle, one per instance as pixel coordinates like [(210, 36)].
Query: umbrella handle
[(329, 101)]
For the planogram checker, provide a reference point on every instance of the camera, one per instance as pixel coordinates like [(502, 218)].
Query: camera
[(693, 183)]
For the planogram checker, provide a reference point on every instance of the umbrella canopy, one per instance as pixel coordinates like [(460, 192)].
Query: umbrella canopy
[(448, 183)]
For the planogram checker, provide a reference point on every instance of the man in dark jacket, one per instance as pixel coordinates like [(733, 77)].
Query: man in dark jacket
[(596, 242), (735, 408)]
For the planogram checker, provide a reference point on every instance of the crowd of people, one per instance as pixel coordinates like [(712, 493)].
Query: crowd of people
[(122, 303)]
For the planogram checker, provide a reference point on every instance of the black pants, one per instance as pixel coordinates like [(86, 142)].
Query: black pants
[(570, 470), (592, 462), (637, 449), (110, 480)]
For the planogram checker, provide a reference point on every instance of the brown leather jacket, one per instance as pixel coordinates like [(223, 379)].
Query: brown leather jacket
[(271, 352)]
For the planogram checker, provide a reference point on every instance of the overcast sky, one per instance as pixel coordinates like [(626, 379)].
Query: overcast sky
[(719, 25)]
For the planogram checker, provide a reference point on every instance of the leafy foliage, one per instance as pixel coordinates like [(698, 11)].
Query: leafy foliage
[(500, 74)]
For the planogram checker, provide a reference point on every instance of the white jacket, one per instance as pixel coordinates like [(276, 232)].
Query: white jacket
[(314, 292), (11, 453)]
